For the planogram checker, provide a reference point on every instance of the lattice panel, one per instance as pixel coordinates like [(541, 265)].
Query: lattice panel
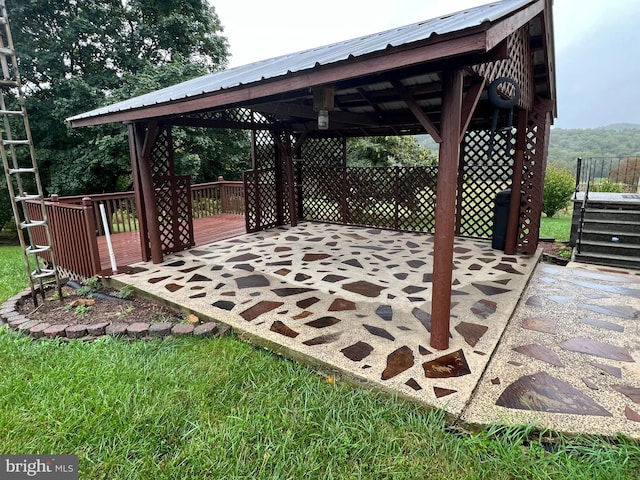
[(483, 178), (417, 198), (518, 65), (371, 197), (264, 150), (234, 115), (321, 193), (161, 164), (261, 199), (173, 201), (533, 179), (324, 152), (386, 197)]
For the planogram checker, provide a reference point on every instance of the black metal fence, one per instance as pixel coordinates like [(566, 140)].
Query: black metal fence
[(608, 174)]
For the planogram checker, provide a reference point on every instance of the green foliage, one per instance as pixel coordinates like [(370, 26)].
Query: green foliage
[(559, 185), (91, 285), (388, 151), (606, 185), (76, 56), (126, 292)]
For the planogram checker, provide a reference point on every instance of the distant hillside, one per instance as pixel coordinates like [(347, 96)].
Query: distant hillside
[(567, 144), (616, 140)]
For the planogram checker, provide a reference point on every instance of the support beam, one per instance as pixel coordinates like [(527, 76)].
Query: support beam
[(136, 137), (446, 208), (417, 111), (513, 221), (471, 100), (148, 191)]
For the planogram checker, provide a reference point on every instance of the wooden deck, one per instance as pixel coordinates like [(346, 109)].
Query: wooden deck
[(127, 250)]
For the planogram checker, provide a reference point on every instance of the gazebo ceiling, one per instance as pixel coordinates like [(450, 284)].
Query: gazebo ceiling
[(383, 84)]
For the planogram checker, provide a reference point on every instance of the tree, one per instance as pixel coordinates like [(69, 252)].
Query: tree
[(78, 55), (559, 185), (388, 151)]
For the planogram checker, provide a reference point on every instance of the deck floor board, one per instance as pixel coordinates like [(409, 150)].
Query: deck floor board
[(127, 249)]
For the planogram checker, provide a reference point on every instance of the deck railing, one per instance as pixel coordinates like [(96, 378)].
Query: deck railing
[(76, 223), (608, 174), (73, 230), (208, 199)]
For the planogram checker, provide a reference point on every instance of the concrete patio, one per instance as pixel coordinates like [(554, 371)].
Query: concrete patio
[(354, 303)]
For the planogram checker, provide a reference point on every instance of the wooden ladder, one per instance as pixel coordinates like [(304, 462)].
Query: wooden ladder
[(21, 169)]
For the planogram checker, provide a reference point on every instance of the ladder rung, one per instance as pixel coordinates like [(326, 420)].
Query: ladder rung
[(9, 83), (22, 170), (15, 142), (6, 51), (34, 223), (38, 249), (24, 198), (12, 112), (43, 273)]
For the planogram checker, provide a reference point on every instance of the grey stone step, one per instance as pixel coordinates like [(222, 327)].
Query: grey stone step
[(613, 225), (596, 233), (609, 260), (614, 248), (624, 215)]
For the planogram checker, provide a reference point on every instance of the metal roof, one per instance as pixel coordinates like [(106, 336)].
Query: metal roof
[(313, 58)]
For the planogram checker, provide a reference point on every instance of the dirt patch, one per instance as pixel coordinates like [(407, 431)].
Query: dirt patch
[(556, 252), (75, 309)]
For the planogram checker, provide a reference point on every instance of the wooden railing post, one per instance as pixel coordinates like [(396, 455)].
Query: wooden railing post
[(224, 200), (91, 236)]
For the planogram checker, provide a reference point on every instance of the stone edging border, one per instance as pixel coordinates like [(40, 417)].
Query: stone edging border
[(86, 332)]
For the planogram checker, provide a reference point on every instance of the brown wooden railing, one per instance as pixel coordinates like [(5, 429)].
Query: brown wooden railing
[(75, 221), (73, 231), (208, 199)]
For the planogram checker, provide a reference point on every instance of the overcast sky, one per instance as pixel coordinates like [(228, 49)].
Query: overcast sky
[(597, 43)]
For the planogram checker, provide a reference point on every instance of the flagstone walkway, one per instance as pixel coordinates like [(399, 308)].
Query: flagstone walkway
[(569, 357)]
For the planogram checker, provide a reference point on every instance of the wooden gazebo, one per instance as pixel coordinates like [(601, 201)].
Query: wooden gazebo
[(454, 77)]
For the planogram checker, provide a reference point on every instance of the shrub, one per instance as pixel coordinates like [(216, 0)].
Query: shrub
[(559, 185)]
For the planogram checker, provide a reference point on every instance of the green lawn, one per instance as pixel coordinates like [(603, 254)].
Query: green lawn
[(220, 408), (558, 226)]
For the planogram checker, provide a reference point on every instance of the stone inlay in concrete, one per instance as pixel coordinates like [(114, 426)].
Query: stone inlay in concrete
[(540, 353), (544, 325), (542, 392), (599, 349), (358, 351), (453, 364), (340, 295), (397, 362), (594, 322), (632, 392)]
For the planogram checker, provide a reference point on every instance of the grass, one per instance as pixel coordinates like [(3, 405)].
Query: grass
[(220, 408), (12, 271), (557, 227)]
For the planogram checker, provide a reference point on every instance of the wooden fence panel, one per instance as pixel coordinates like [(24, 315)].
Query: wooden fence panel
[(74, 234)]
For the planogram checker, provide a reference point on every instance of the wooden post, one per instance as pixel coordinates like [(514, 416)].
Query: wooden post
[(513, 221), (92, 240), (135, 142), (446, 208), (148, 193)]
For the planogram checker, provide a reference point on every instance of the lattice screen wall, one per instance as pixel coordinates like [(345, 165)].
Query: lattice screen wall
[(327, 152), (483, 176), (534, 167), (401, 198), (173, 197), (518, 65)]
